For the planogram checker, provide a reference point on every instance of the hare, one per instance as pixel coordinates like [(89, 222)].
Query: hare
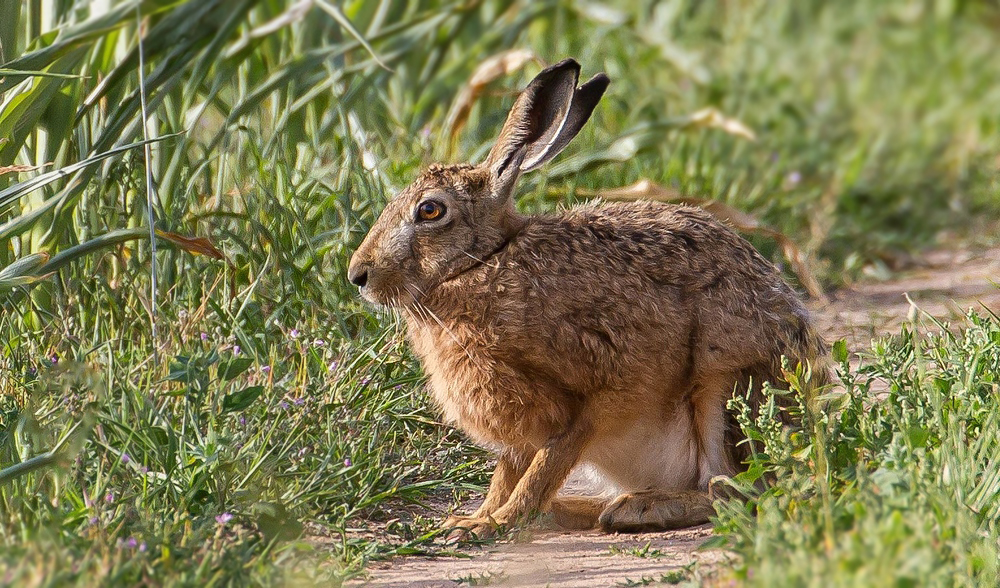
[(611, 335)]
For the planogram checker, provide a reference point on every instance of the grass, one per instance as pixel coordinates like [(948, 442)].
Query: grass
[(640, 551), (894, 481), (272, 406)]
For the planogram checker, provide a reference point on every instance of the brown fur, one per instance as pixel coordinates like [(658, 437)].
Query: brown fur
[(607, 334)]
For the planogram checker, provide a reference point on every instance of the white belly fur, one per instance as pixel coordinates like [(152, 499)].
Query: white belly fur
[(649, 455)]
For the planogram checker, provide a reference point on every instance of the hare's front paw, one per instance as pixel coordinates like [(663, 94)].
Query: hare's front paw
[(461, 529)]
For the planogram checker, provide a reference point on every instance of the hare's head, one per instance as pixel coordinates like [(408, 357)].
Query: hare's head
[(454, 217)]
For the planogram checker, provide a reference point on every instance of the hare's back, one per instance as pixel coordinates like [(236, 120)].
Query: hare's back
[(681, 248), (643, 279)]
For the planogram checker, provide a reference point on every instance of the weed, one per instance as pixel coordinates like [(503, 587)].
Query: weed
[(893, 487), (639, 551)]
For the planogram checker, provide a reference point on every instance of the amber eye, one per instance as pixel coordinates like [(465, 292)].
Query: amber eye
[(430, 210)]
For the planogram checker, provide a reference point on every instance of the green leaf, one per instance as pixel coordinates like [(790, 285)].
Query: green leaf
[(234, 367), (276, 522), (918, 435), (240, 400), (840, 351), (24, 266), (716, 542), (18, 190)]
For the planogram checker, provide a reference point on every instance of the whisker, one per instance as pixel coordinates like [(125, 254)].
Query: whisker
[(494, 265), (440, 323)]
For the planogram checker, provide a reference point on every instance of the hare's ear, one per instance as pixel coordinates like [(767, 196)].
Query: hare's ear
[(543, 120)]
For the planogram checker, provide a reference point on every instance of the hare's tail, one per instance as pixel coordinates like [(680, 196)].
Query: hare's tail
[(806, 347)]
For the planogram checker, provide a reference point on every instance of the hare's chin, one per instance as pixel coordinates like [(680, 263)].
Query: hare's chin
[(384, 300), (370, 297)]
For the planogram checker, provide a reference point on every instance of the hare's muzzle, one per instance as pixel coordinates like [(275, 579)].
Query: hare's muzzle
[(357, 273)]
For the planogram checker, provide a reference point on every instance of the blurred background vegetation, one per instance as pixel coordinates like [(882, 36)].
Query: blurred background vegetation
[(277, 406)]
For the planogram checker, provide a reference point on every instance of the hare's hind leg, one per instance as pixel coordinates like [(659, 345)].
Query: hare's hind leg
[(656, 510), (577, 513), (711, 425)]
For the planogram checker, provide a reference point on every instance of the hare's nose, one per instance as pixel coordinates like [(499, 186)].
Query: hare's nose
[(358, 275)]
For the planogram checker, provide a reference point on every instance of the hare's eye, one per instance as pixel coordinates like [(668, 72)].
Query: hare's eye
[(430, 210)]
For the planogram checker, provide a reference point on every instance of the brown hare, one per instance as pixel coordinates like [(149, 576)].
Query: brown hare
[(610, 335)]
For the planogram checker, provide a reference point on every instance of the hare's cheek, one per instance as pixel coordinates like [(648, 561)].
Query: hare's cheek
[(430, 266)]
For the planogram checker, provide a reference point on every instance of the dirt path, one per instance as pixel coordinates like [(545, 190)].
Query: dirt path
[(945, 285)]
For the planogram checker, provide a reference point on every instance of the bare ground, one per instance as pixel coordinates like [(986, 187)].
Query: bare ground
[(944, 284)]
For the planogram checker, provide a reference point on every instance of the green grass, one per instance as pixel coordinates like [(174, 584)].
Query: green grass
[(214, 472), (892, 480), (279, 136)]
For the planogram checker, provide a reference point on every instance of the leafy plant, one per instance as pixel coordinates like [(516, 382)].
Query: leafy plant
[(896, 482)]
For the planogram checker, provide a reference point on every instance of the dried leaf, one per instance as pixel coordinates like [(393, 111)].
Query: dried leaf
[(14, 169), (499, 65), (741, 221), (196, 245), (601, 13), (712, 118), (641, 190)]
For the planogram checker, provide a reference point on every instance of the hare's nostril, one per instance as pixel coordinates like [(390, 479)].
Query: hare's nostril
[(359, 277)]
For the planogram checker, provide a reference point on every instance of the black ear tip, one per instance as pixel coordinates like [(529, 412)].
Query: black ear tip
[(560, 70), (565, 64), (599, 82)]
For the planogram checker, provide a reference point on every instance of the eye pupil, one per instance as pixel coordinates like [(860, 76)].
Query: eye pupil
[(430, 210)]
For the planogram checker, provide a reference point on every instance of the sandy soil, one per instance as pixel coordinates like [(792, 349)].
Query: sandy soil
[(944, 285)]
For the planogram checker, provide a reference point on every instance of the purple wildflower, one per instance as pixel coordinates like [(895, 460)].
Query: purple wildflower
[(794, 178), (223, 518), (299, 401), (109, 497), (54, 359), (142, 547), (204, 336), (283, 405), (347, 462), (334, 365), (243, 420), (132, 543), (265, 368), (319, 343), (365, 381), (236, 350), (94, 520), (125, 458), (294, 333)]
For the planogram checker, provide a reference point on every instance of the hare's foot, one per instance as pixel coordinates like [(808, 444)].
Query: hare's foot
[(471, 528), (576, 513), (656, 511)]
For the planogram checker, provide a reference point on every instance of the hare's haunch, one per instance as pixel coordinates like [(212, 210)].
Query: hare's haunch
[(611, 335)]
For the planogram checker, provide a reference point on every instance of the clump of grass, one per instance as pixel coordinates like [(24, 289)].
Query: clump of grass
[(216, 470), (646, 550), (895, 482)]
